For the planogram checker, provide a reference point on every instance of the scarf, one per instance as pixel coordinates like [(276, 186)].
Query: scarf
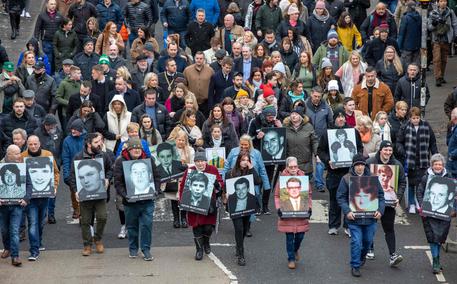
[(414, 139), (217, 142), (378, 20), (323, 17), (348, 78), (295, 98), (293, 23), (366, 137)]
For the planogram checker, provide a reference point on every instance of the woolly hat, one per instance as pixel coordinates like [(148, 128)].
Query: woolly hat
[(269, 111), (332, 34), (200, 156), (104, 59), (326, 63), (280, 68), (293, 9), (320, 5), (299, 110), (384, 27), (333, 86), (339, 111), (358, 159), (268, 91), (134, 143), (148, 46), (50, 119), (77, 125), (87, 40), (384, 144), (241, 93)]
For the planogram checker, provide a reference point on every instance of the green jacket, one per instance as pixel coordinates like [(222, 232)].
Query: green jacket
[(66, 89), (267, 18), (321, 52)]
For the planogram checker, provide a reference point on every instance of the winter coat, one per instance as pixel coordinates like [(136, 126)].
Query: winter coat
[(382, 98), (436, 230), (349, 37), (85, 62), (358, 10), (342, 197), (37, 112), (287, 103), (451, 21), (284, 26), (409, 90), (51, 142), (66, 89), (45, 153), (289, 58), (138, 46), (388, 75), (374, 50), (367, 27), (451, 143), (80, 13), (39, 55), (162, 117), (102, 45), (10, 121), (211, 7), (198, 36), (318, 30), (177, 17), (302, 144), (257, 163), (46, 26), (92, 123), (321, 116), (267, 18), (251, 12), (343, 55), (198, 81), (65, 46), (228, 131), (45, 91), (18, 86), (181, 63), (292, 225), (236, 33), (137, 15), (195, 219), (111, 13), (409, 35), (71, 146)]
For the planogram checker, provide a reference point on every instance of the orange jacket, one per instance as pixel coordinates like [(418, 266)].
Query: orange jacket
[(382, 98)]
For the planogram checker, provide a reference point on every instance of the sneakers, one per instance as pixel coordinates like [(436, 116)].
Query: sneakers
[(123, 233), (27, 15), (412, 209), (266, 211), (16, 261), (133, 254), (5, 254), (99, 248), (395, 259), (291, 264), (370, 254), (147, 256), (42, 249), (258, 212), (87, 250), (333, 231), (355, 272), (33, 258), (347, 232)]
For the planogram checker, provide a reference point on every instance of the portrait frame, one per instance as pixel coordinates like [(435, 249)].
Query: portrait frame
[(35, 162), (363, 196), (270, 158), (176, 171), (132, 194), (341, 151), (430, 189), (285, 203), (14, 197), (97, 166), (251, 202), (390, 194), (216, 157), (202, 206)]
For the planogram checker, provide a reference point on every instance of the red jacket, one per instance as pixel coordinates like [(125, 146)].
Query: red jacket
[(194, 219)]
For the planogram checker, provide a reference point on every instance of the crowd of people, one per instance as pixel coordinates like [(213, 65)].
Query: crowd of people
[(93, 82)]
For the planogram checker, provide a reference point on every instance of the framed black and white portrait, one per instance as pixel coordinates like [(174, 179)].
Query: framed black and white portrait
[(216, 157), (274, 145), (139, 180), (168, 162), (388, 177), (439, 196), (363, 195), (90, 179), (294, 196), (12, 182), (241, 196), (40, 170), (197, 192), (342, 146)]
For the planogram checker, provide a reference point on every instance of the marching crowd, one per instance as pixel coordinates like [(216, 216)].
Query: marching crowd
[(94, 82)]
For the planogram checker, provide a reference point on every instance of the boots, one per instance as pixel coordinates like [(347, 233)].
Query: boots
[(175, 211), (183, 217), (199, 248), (248, 231), (436, 265), (265, 199), (13, 33), (206, 237), (240, 255)]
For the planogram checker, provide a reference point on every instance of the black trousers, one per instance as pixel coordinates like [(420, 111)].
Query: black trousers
[(202, 230), (334, 210), (241, 226), (387, 222), (15, 20)]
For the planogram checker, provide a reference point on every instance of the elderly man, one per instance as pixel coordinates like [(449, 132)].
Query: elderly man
[(229, 33), (378, 16), (115, 60), (246, 63)]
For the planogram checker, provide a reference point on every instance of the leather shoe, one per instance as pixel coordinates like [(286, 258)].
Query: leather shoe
[(6, 253), (16, 261), (355, 272), (99, 248), (291, 264), (87, 250)]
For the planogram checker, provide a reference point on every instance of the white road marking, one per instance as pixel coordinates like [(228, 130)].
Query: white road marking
[(439, 276), (222, 245), (417, 247), (230, 275)]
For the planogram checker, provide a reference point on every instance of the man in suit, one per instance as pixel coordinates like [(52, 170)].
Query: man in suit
[(131, 97), (246, 63), (195, 195), (294, 202), (168, 78), (242, 199), (168, 166), (441, 196), (85, 94), (273, 146), (221, 80)]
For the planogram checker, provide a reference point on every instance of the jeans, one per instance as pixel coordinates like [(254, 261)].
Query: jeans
[(293, 241), (241, 226), (411, 195), (10, 220), (319, 177), (51, 206), (36, 214), (138, 219), (88, 209), (435, 249), (132, 36), (361, 240), (48, 49)]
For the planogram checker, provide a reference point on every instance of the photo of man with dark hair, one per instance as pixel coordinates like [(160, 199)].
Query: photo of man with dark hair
[(90, 179), (241, 199), (41, 173), (168, 167), (342, 145), (197, 192), (439, 196), (11, 187), (273, 144)]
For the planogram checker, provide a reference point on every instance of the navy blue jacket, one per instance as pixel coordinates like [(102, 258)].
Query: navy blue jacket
[(409, 36), (177, 17), (131, 97), (217, 86), (111, 13), (181, 63), (71, 146)]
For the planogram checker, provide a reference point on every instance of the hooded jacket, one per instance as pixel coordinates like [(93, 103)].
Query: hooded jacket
[(342, 196), (39, 56), (409, 90), (318, 28), (321, 116), (116, 124), (50, 142), (71, 146), (409, 35)]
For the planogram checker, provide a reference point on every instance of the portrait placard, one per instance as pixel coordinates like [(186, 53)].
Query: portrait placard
[(363, 196), (139, 180), (241, 196), (274, 145), (388, 177), (12, 182), (90, 179), (41, 173), (342, 146), (439, 197), (216, 157), (294, 196), (168, 162), (197, 192)]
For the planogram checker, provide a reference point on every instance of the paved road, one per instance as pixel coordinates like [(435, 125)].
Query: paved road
[(325, 259)]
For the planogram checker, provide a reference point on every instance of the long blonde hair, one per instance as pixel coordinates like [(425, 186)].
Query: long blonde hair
[(396, 62)]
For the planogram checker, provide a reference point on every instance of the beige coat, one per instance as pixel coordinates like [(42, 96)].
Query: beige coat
[(237, 32), (102, 45), (198, 81)]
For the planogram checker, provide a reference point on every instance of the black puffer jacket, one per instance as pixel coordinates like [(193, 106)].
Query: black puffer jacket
[(388, 75), (45, 89), (284, 26), (80, 14), (85, 62), (137, 15), (162, 117), (318, 30), (409, 90), (46, 26), (11, 122)]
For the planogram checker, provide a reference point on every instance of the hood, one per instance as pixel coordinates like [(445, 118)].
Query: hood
[(415, 79), (33, 41), (118, 98), (366, 171), (287, 122), (413, 15), (431, 173), (125, 155)]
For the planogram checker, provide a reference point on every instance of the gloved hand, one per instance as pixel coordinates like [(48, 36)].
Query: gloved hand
[(279, 213), (310, 212)]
